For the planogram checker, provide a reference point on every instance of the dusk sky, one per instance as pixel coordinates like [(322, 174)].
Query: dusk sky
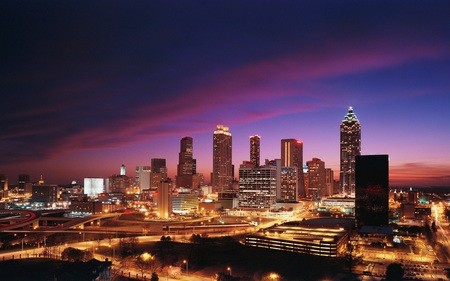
[(90, 85)]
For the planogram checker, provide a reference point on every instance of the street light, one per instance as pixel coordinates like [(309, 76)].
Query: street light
[(187, 266), (22, 242), (229, 269)]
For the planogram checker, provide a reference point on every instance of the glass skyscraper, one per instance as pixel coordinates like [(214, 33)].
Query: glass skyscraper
[(221, 176), (350, 148)]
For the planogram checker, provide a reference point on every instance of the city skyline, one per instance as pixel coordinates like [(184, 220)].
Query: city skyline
[(89, 86)]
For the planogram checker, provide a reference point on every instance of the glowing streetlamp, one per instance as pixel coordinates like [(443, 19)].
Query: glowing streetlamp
[(22, 241), (187, 266), (229, 269)]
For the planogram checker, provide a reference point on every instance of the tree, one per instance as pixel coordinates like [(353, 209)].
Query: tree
[(394, 272), (127, 249), (154, 277), (73, 254), (145, 262)]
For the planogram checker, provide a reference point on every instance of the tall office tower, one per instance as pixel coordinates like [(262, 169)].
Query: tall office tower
[(3, 186), (164, 199), (221, 176), (122, 170), (3, 182), (292, 156), (329, 182), (372, 190), (185, 168), (350, 148), (316, 178), (255, 150), (159, 172), (158, 165), (23, 180), (288, 184), (258, 187), (143, 175)]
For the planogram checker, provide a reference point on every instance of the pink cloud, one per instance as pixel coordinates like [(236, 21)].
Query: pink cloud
[(420, 174)]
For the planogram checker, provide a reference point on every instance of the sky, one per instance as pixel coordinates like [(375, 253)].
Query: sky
[(90, 85)]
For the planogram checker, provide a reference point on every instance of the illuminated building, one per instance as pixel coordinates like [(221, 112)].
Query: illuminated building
[(185, 168), (329, 182), (292, 156), (350, 131), (184, 202), (93, 186), (258, 187), (164, 199), (372, 190), (120, 184), (255, 150), (221, 177), (316, 178), (288, 184), (3, 186), (143, 177), (309, 237), (122, 170)]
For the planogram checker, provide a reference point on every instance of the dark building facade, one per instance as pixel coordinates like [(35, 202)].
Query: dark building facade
[(372, 190), (185, 168)]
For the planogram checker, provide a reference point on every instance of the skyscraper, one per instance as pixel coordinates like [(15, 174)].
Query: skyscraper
[(372, 190), (221, 177), (159, 172), (255, 150), (258, 187), (292, 156), (158, 165), (350, 148), (143, 177), (316, 178), (185, 168), (164, 199)]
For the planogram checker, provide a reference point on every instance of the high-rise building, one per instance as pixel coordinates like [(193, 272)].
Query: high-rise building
[(94, 186), (258, 187), (164, 199), (158, 165), (292, 156), (23, 180), (329, 182), (255, 150), (185, 168), (288, 184), (3, 182), (159, 172), (350, 148), (221, 177), (122, 170), (143, 175), (372, 190), (316, 178)]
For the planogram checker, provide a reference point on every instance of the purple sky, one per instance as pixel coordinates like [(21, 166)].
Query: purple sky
[(90, 85)]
